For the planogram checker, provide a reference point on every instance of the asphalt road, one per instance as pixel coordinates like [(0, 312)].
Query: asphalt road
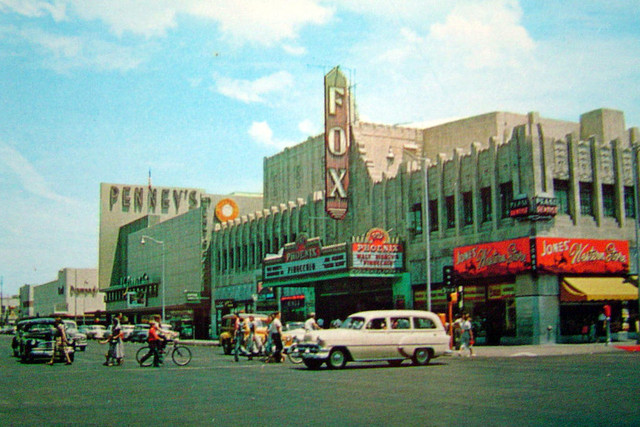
[(597, 389)]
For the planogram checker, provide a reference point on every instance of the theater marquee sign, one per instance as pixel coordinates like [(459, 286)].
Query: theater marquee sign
[(554, 255), (337, 142)]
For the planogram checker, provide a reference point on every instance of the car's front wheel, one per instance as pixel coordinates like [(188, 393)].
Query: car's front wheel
[(421, 357), (337, 359)]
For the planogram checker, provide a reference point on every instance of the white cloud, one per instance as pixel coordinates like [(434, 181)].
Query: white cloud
[(35, 8), (294, 50), (27, 175), (308, 128), (68, 52), (487, 34), (262, 134), (254, 91)]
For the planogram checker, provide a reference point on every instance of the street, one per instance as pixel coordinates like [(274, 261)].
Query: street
[(600, 389)]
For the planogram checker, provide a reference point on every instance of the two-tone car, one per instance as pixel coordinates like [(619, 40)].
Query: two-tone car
[(380, 335)]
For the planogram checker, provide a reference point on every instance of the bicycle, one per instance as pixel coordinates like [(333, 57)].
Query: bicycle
[(180, 354)]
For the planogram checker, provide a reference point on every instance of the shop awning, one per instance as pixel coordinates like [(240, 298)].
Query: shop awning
[(575, 289)]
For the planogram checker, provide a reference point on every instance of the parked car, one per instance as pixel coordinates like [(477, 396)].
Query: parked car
[(15, 342), (96, 332), (37, 340), (226, 337), (381, 335), (141, 332), (78, 339), (127, 330)]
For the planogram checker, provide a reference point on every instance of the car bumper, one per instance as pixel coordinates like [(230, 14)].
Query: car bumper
[(311, 352)]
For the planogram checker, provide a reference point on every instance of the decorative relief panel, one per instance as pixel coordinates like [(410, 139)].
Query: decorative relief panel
[(560, 160), (450, 177), (606, 164), (584, 162)]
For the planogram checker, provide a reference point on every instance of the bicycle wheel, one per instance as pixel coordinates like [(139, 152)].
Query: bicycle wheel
[(142, 351), (181, 355), (294, 356)]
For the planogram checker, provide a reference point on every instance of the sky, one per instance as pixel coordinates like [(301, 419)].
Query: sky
[(199, 92)]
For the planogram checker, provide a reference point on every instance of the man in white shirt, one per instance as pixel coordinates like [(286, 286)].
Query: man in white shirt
[(311, 324)]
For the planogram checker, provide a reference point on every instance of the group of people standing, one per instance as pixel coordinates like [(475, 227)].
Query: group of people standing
[(245, 337)]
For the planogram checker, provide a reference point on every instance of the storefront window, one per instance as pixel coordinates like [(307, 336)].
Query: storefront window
[(629, 202), (434, 219), (485, 200), (586, 199), (561, 191), (608, 200), (451, 212), (415, 218), (467, 208), (506, 196)]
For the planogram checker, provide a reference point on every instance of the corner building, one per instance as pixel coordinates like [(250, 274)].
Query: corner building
[(531, 220)]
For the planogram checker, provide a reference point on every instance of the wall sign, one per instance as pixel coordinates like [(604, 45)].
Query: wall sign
[(492, 259), (376, 251), (558, 255), (226, 210), (337, 142)]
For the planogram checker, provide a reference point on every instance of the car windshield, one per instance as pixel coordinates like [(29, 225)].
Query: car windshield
[(40, 327), (352, 323)]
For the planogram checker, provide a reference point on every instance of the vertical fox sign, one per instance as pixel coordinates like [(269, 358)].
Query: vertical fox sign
[(336, 142)]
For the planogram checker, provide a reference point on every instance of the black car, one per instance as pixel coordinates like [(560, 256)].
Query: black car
[(37, 340)]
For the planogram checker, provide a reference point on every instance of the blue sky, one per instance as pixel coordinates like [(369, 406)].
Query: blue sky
[(201, 91)]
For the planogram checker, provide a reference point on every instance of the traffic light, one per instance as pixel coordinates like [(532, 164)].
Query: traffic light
[(447, 277)]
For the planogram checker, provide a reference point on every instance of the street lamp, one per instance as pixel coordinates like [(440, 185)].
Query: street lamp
[(161, 243), (426, 225)]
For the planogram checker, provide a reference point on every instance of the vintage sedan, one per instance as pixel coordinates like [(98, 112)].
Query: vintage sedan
[(37, 340), (381, 335)]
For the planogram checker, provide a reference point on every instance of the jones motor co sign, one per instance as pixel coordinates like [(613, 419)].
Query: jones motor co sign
[(553, 255)]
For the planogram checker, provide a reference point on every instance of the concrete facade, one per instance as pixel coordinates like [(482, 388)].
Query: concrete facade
[(74, 293)]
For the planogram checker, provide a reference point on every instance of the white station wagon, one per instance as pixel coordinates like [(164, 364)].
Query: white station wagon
[(367, 336)]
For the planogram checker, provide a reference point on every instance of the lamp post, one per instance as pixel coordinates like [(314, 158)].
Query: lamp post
[(161, 243), (426, 225)]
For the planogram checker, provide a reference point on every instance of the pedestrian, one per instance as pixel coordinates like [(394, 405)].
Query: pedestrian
[(466, 335), (238, 335), (115, 353), (268, 346), (155, 344), (61, 345), (606, 310), (275, 330), (311, 324)]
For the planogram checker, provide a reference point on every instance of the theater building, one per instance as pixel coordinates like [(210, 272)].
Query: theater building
[(531, 220)]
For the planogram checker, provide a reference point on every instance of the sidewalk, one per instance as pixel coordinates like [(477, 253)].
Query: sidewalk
[(554, 349)]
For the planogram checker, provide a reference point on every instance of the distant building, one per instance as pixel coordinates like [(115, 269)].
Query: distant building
[(73, 294)]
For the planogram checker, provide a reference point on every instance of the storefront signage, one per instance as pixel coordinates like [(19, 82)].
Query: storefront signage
[(377, 252), (304, 249), (498, 292), (337, 142), (127, 198), (523, 207), (134, 281), (558, 255), (322, 264), (226, 210), (492, 259)]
